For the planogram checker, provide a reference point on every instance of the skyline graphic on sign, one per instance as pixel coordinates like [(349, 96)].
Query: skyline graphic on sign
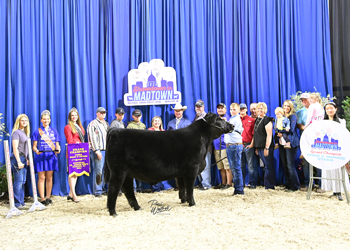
[(152, 84)]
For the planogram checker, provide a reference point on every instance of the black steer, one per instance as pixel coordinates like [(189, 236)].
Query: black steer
[(152, 157)]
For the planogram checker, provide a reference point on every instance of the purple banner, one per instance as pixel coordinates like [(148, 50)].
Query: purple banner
[(78, 159)]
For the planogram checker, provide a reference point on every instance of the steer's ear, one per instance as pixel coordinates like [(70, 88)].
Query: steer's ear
[(210, 117)]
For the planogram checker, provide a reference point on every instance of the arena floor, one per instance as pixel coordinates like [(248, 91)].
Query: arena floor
[(261, 219)]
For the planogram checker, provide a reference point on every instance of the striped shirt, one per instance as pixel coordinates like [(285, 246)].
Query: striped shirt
[(97, 133)]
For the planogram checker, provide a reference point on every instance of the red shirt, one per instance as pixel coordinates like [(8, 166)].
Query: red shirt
[(248, 125)]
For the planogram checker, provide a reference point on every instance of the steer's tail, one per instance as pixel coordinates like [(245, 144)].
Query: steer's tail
[(106, 167)]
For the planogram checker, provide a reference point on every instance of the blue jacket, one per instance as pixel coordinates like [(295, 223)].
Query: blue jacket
[(292, 133), (182, 124)]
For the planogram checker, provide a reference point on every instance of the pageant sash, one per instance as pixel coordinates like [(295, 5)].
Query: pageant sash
[(78, 159), (47, 139)]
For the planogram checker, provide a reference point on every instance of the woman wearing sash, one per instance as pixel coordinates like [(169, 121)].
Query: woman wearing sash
[(46, 145), (74, 133)]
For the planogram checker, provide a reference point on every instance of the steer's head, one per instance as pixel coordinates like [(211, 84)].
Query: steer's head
[(219, 125)]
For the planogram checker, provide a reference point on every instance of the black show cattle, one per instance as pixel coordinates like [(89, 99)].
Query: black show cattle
[(152, 157)]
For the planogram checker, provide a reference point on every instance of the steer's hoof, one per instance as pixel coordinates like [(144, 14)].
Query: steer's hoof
[(192, 204), (138, 208), (183, 200), (114, 215)]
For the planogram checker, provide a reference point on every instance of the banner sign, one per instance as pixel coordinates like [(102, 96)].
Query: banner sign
[(152, 84), (326, 144), (78, 159)]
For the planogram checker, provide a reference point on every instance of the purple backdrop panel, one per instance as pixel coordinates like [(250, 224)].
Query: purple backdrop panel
[(78, 159)]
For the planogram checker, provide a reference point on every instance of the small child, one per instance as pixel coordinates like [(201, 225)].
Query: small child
[(282, 124), (315, 111)]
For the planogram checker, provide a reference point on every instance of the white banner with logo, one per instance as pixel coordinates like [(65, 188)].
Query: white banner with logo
[(326, 144)]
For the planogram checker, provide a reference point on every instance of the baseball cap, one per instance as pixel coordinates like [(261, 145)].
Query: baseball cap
[(242, 106), (305, 95), (137, 112), (199, 103), (221, 104), (101, 109), (119, 111)]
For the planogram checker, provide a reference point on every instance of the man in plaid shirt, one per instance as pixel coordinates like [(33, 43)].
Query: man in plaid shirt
[(97, 133)]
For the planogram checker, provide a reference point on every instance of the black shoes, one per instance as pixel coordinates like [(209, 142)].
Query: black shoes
[(219, 186), (338, 195), (45, 202), (69, 198), (225, 187)]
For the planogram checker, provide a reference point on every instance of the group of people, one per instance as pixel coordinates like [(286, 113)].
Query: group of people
[(250, 146)]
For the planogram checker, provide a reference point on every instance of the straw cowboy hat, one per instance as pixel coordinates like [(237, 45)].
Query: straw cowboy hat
[(178, 106)]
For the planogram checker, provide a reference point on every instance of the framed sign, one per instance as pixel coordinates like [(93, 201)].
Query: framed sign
[(326, 144), (152, 84)]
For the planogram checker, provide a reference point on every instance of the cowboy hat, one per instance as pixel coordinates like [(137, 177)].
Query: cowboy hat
[(178, 106)]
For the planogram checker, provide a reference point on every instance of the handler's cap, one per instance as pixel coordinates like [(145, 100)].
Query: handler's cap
[(221, 104), (137, 112), (200, 103), (305, 95), (119, 111), (101, 110), (242, 106)]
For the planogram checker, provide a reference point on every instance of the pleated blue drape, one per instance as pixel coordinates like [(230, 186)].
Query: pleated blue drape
[(61, 54)]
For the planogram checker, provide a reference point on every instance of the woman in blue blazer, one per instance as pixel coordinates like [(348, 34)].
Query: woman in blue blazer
[(288, 154)]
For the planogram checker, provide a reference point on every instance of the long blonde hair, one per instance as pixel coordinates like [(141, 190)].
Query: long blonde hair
[(291, 105), (16, 126), (71, 123), (161, 123), (316, 97)]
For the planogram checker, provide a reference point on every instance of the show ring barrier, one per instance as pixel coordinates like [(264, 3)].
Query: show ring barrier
[(325, 145), (36, 203), (13, 210)]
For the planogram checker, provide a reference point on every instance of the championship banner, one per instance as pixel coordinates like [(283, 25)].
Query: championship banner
[(326, 144), (152, 84), (78, 159)]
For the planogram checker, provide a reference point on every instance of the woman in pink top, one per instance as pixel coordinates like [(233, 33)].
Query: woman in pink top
[(157, 125)]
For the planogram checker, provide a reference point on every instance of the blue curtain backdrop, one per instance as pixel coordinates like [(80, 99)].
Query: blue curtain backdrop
[(61, 54)]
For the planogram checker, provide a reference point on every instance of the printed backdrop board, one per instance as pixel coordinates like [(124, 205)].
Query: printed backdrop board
[(152, 84), (326, 144)]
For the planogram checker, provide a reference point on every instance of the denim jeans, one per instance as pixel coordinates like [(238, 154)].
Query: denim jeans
[(247, 158), (306, 171), (19, 176), (269, 176), (234, 154), (206, 175), (288, 160), (163, 185), (97, 166), (137, 185)]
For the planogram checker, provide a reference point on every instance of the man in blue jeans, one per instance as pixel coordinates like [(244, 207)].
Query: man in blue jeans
[(302, 116), (248, 153), (97, 133), (234, 148), (204, 178)]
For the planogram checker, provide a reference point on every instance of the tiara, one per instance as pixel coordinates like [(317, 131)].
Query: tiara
[(45, 112)]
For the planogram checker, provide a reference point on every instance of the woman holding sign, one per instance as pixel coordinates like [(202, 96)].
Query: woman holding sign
[(74, 133), (46, 147), (331, 185), (19, 160)]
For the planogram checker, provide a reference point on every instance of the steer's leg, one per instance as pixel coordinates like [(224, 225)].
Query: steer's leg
[(115, 184), (189, 183), (182, 190), (128, 189)]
